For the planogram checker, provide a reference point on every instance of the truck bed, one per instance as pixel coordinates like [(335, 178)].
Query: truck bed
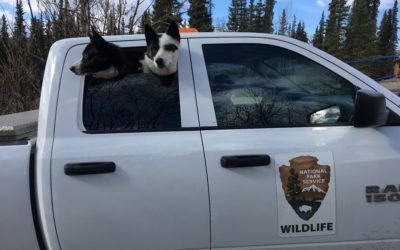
[(18, 126), (17, 140)]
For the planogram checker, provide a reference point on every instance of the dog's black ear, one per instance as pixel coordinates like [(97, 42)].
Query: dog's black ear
[(90, 36), (173, 30), (92, 32), (150, 34), (96, 38)]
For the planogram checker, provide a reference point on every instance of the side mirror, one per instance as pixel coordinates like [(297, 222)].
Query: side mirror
[(370, 109)]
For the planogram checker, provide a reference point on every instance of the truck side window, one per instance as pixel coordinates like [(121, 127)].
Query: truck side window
[(256, 85), (137, 102)]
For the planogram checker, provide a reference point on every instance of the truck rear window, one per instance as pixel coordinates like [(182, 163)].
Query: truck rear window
[(138, 102)]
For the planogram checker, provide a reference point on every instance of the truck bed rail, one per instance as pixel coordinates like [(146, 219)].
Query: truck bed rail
[(18, 126)]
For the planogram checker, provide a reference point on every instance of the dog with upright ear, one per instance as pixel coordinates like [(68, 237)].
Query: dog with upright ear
[(173, 31), (101, 59), (161, 57)]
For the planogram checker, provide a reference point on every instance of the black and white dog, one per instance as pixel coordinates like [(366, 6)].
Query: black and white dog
[(104, 60), (101, 59), (161, 57)]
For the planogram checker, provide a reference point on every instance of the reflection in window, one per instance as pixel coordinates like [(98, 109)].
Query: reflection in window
[(260, 85), (138, 102)]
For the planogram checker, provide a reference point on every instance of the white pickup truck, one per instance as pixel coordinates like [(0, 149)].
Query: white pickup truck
[(261, 142)]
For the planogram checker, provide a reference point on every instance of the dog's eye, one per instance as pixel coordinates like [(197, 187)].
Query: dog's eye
[(170, 47), (152, 51)]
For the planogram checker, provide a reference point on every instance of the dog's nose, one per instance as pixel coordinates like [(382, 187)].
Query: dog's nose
[(72, 68), (160, 62)]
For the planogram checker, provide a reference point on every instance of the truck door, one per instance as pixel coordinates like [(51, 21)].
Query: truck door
[(286, 167), (128, 168)]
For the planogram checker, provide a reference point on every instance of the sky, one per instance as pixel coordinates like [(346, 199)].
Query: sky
[(308, 11)]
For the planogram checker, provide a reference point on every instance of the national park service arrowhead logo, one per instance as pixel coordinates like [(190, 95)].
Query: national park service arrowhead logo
[(305, 184)]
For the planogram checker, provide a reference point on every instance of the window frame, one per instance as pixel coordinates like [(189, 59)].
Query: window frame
[(188, 109)]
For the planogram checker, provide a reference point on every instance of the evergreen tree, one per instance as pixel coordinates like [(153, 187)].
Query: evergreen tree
[(37, 52), (384, 33), (251, 15), (165, 11), (269, 16), (37, 41), (234, 16), (64, 24), (144, 19), (199, 16), (373, 9), (159, 14), (361, 34), (4, 40), (19, 26), (242, 15), (283, 24), (300, 33), (395, 22), (292, 27), (384, 43), (387, 40), (4, 36), (259, 17), (318, 40), (176, 12), (335, 27), (47, 33)]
